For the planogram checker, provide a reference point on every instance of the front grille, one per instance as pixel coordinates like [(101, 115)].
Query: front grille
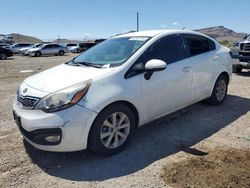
[(245, 47), (27, 101), (242, 46)]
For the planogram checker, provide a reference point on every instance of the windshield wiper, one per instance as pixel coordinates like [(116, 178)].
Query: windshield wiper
[(89, 64)]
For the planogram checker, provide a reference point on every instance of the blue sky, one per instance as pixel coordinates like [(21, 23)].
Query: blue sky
[(76, 19)]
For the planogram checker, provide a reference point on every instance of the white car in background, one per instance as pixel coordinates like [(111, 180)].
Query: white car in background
[(70, 46), (99, 98)]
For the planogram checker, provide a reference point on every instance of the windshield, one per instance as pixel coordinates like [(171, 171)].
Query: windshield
[(37, 45), (113, 51), (248, 38)]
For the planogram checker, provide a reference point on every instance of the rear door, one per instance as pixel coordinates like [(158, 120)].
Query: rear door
[(56, 49), (202, 53), (170, 89)]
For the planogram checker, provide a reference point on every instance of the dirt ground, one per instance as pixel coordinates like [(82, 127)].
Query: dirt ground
[(199, 146)]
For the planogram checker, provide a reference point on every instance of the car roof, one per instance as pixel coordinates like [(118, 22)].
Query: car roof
[(152, 33)]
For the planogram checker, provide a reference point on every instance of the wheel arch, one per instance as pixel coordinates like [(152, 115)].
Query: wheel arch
[(130, 105), (224, 73), (226, 76)]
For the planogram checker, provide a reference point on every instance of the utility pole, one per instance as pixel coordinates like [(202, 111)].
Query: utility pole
[(137, 16)]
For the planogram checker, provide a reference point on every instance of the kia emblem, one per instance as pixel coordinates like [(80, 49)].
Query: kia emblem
[(25, 90)]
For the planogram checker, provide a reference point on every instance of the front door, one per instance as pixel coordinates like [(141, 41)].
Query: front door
[(170, 89)]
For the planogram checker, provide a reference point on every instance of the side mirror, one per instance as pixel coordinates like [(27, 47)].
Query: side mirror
[(155, 65)]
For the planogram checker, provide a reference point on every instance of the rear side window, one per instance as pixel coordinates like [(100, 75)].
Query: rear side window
[(168, 49), (24, 44), (199, 44)]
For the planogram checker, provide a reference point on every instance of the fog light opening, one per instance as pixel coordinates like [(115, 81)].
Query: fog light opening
[(55, 138)]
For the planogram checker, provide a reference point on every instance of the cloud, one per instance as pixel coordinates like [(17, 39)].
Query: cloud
[(163, 26), (175, 23)]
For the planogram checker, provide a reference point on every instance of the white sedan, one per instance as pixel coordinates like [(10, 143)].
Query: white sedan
[(99, 98)]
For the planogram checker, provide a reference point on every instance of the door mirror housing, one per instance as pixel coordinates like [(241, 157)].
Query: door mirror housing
[(155, 65)]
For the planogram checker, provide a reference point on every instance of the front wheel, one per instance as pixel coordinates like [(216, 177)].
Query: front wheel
[(61, 52), (38, 54), (3, 56), (112, 130), (219, 91)]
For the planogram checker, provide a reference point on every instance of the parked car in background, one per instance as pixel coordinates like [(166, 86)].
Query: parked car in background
[(244, 56), (17, 46), (6, 39), (4, 45), (76, 49), (48, 49), (5, 53), (99, 98), (24, 51), (86, 45), (70, 46)]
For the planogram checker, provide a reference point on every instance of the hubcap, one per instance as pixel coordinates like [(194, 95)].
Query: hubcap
[(221, 90), (115, 130)]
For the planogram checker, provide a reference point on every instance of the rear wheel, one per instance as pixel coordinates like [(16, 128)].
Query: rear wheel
[(38, 54), (112, 129), (219, 91), (3, 56), (61, 52)]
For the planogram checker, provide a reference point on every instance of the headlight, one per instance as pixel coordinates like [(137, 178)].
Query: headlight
[(64, 98)]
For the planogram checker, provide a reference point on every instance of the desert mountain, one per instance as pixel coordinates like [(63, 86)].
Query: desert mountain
[(24, 38), (221, 33)]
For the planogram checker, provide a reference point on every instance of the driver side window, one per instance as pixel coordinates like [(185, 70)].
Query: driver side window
[(168, 49)]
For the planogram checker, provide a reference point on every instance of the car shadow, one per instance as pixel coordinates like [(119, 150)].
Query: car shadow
[(166, 136)]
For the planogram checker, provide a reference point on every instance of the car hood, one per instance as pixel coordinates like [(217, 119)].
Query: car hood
[(63, 76), (33, 49), (23, 49)]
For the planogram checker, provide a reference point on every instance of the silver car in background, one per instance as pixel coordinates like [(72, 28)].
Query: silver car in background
[(48, 49), (17, 46), (24, 51)]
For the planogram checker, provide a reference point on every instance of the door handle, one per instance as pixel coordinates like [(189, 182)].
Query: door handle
[(186, 69)]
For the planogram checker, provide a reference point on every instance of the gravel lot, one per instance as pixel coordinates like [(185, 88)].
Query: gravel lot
[(193, 132)]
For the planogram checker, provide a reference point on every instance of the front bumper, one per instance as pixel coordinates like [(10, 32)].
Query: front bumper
[(72, 125)]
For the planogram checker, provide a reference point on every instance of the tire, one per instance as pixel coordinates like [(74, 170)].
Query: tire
[(38, 54), (103, 138), (237, 69), (78, 51), (219, 91), (61, 52), (3, 56)]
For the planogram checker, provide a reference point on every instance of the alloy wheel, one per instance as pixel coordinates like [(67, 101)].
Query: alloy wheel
[(115, 130), (221, 90)]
